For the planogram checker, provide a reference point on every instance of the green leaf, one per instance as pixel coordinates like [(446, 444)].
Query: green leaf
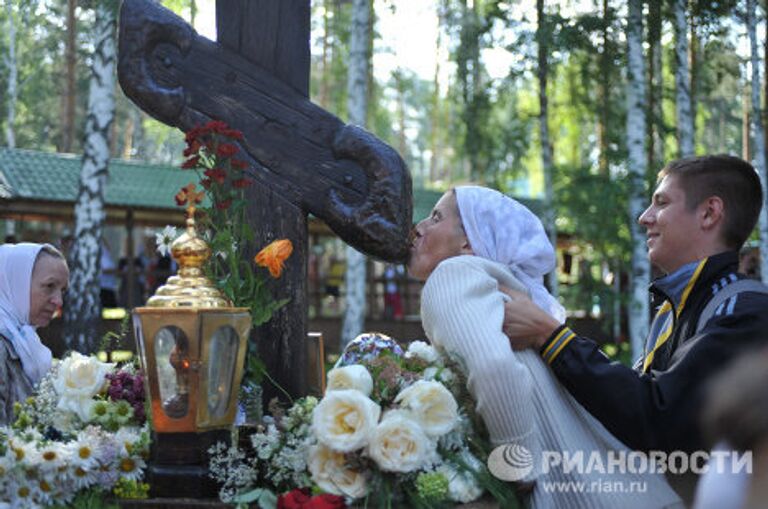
[(265, 498)]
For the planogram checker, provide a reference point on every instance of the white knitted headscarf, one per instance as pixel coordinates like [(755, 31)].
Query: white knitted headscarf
[(16, 264), (501, 229)]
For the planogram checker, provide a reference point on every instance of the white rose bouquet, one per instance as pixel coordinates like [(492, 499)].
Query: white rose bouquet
[(395, 428), (81, 436)]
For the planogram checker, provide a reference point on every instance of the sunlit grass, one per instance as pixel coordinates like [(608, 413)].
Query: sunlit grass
[(113, 313), (117, 356)]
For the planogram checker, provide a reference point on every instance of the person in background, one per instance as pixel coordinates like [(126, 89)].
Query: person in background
[(333, 282), (736, 420), (108, 278), (65, 243), (393, 302), (33, 279)]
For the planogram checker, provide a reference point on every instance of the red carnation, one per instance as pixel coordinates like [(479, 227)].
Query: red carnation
[(238, 164), (300, 499), (206, 183), (192, 148), (226, 150), (216, 174), (191, 163), (233, 133), (217, 126), (224, 204), (240, 183), (326, 501), (294, 499), (192, 134)]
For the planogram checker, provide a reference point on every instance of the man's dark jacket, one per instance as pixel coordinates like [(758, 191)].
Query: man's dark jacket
[(660, 409)]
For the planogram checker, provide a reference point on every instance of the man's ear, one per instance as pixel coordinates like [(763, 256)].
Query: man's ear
[(712, 212)]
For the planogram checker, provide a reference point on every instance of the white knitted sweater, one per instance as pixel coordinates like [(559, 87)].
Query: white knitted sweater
[(519, 398)]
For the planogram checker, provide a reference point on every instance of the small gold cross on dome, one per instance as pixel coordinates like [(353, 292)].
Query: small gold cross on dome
[(190, 197)]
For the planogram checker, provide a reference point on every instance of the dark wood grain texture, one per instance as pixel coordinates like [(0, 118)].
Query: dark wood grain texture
[(338, 172), (303, 159)]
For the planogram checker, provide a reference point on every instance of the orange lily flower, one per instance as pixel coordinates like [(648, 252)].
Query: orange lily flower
[(274, 255)]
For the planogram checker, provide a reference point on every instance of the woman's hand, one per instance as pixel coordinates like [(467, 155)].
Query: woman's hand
[(525, 324)]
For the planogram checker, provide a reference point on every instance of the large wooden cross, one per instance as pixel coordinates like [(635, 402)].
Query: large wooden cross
[(304, 160)]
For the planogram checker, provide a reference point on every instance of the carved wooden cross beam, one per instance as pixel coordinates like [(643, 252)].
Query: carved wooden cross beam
[(304, 159)]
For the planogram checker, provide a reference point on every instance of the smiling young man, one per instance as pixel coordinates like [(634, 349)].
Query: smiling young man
[(702, 212)]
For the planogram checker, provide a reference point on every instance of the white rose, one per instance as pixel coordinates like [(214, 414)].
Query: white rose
[(344, 420), (78, 380), (354, 376), (423, 351), (329, 471), (462, 486), (430, 373), (399, 444), (432, 406), (446, 376)]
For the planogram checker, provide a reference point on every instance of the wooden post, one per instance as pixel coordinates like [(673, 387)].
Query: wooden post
[(130, 255)]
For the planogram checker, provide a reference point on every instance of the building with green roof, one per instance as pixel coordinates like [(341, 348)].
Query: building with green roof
[(43, 186)]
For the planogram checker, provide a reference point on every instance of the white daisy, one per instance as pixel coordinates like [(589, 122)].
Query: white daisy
[(24, 454), (125, 438), (83, 453), (6, 464), (24, 493), (51, 456), (131, 468), (164, 239), (83, 476)]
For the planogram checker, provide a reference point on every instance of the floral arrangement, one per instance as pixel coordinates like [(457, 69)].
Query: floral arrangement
[(82, 435), (394, 428), (212, 153)]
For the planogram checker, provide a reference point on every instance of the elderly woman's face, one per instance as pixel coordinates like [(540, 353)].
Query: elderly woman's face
[(50, 277), (437, 237)]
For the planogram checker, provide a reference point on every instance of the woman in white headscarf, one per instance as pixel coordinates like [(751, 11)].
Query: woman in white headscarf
[(475, 241), (33, 278)]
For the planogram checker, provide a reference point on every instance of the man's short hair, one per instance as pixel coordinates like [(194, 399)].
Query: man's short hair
[(730, 178)]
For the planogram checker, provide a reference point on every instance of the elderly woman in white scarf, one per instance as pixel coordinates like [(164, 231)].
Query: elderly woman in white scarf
[(33, 278), (476, 240)]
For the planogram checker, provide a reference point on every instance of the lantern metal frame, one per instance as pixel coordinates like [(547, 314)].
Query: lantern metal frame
[(199, 326)]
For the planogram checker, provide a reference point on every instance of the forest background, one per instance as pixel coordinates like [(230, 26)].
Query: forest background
[(578, 103)]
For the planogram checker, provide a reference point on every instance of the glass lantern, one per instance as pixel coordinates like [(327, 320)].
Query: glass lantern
[(192, 345)]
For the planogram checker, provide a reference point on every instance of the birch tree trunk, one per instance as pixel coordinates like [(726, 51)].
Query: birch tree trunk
[(682, 81), (693, 68), (82, 311), (325, 77), (434, 145), (655, 79), (765, 85), (70, 90), (602, 93), (640, 276), (357, 107), (757, 133), (11, 64), (745, 145), (542, 36)]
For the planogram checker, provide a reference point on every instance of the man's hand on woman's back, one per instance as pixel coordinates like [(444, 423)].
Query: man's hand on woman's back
[(525, 324)]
